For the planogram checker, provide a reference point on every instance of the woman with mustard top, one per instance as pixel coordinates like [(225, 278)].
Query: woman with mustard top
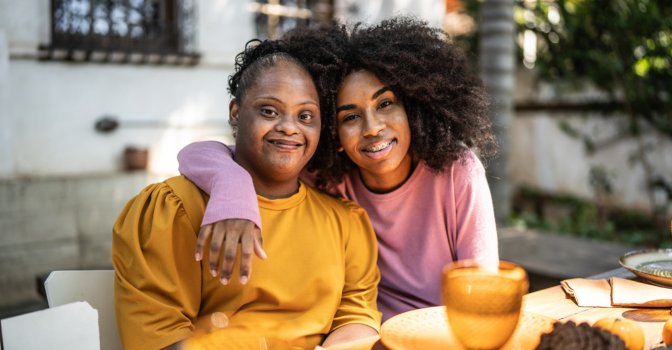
[(320, 278)]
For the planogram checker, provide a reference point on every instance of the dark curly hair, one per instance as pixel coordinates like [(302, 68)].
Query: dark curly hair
[(446, 103), (257, 57)]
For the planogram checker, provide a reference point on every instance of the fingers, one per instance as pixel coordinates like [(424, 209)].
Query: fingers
[(246, 255), (216, 246), (225, 236), (230, 252), (203, 236), (258, 244)]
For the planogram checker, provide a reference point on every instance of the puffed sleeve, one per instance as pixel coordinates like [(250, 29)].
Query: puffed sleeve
[(358, 302), (157, 288)]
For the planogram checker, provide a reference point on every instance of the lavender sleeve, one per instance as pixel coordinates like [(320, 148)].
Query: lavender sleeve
[(211, 167), (476, 228)]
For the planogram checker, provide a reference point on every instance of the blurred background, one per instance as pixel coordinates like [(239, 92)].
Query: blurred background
[(98, 96)]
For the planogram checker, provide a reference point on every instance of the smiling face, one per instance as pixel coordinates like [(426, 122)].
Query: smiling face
[(278, 127), (373, 130)]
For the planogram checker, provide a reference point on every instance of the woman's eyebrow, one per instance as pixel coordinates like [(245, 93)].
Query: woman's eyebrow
[(345, 107), (380, 91), (268, 98)]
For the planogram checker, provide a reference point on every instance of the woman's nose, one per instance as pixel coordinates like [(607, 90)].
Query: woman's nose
[(373, 125), (288, 125)]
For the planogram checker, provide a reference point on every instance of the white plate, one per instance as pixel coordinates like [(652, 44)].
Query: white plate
[(654, 265)]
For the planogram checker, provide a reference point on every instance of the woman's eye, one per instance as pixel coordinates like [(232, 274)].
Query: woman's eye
[(306, 117), (268, 112), (384, 104), (350, 117)]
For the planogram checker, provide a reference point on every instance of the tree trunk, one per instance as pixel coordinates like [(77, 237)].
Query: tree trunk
[(498, 64)]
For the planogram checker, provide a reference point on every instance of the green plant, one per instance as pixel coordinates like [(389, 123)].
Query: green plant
[(621, 47), (583, 220)]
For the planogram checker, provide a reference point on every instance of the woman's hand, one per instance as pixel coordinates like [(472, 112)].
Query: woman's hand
[(229, 233)]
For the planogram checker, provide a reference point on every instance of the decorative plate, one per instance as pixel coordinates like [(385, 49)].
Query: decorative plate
[(653, 265), (428, 329)]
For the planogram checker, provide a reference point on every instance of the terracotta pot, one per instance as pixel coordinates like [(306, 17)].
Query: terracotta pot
[(136, 159)]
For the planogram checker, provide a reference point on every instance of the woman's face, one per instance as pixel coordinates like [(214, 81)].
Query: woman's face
[(373, 127), (278, 123)]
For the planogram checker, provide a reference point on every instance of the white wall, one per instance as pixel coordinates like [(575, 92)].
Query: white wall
[(55, 106), (50, 107), (26, 24), (545, 157), (6, 140)]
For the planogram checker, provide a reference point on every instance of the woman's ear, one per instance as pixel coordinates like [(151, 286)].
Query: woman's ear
[(340, 149), (234, 111)]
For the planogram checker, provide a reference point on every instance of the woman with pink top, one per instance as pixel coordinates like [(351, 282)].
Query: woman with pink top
[(406, 109)]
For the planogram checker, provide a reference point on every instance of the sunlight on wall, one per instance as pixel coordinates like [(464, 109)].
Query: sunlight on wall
[(189, 123)]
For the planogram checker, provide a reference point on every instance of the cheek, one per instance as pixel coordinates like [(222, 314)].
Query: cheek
[(313, 136), (347, 135), (403, 128)]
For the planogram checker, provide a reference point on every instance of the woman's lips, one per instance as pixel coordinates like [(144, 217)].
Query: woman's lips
[(285, 145), (382, 152)]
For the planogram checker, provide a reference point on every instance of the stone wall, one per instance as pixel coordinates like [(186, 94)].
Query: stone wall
[(59, 224)]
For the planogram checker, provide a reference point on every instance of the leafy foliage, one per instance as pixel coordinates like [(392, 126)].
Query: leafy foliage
[(624, 47)]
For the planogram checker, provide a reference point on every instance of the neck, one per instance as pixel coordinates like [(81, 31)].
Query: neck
[(284, 189), (391, 180), (276, 188)]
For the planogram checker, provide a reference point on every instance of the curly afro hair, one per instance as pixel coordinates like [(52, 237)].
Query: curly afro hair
[(446, 103)]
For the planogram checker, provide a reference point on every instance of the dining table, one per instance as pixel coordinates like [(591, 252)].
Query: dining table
[(555, 303)]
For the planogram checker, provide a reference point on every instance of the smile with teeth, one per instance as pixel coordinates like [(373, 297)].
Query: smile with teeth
[(379, 147)]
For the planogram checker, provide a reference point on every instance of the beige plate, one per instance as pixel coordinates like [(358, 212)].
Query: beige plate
[(653, 265), (428, 329)]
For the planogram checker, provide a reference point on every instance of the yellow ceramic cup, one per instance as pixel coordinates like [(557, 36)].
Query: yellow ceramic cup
[(483, 301)]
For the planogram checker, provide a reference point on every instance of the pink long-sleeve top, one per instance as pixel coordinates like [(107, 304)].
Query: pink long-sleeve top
[(428, 222)]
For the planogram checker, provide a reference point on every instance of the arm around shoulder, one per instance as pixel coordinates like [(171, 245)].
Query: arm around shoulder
[(210, 165)]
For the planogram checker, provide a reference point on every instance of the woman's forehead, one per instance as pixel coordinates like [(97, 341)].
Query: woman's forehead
[(362, 84), (286, 79)]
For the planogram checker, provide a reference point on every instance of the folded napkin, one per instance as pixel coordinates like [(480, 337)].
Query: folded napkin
[(616, 292), (592, 293), (632, 293)]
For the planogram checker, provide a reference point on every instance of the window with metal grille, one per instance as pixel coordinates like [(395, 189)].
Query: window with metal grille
[(276, 16), (141, 31)]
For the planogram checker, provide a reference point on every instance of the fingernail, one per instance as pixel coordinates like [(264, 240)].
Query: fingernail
[(263, 254), (224, 281), (213, 272), (198, 256), (243, 280)]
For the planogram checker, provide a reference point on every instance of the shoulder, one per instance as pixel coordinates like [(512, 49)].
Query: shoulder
[(183, 188), (467, 166), (459, 175), (164, 200)]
